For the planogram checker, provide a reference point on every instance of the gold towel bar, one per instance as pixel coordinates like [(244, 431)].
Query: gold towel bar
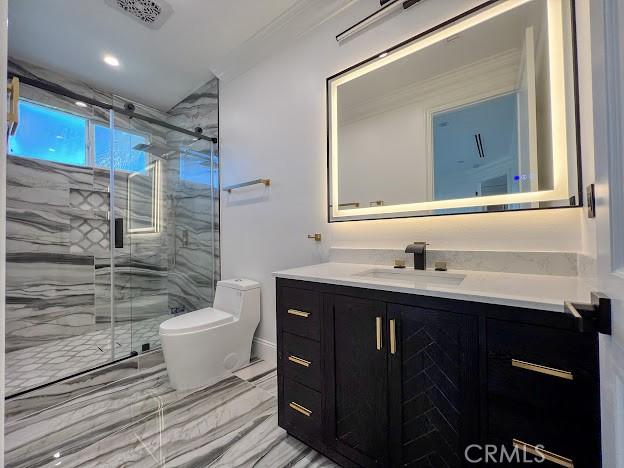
[(229, 188)]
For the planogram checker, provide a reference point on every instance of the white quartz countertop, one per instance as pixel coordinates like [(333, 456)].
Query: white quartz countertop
[(544, 292)]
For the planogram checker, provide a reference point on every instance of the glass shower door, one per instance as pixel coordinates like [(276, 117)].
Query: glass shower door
[(58, 289), (166, 205)]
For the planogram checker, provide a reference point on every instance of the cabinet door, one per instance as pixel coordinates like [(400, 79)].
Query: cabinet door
[(434, 382), (356, 376)]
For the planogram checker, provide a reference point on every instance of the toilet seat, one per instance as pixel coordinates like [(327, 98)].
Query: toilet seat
[(199, 320)]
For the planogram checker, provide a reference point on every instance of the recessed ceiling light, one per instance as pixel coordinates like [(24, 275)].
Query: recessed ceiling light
[(384, 54), (81, 104), (111, 60)]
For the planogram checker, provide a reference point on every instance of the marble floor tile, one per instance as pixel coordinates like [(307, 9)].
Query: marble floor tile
[(139, 420), (262, 374), (38, 365), (37, 400)]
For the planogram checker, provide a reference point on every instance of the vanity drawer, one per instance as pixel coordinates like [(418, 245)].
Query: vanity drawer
[(302, 360), (569, 437), (541, 390), (300, 312), (301, 409), (562, 350)]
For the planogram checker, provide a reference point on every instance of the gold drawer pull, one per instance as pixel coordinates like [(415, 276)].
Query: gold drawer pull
[(545, 454), (542, 369), (300, 409), (392, 336), (378, 332), (298, 360), (299, 313)]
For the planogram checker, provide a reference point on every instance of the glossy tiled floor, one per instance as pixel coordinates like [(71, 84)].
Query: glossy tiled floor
[(130, 416), (30, 367)]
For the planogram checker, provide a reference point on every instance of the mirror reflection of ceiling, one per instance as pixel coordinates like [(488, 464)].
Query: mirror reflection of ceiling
[(201, 39), (471, 46)]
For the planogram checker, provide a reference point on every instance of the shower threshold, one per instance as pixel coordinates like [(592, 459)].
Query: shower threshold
[(37, 366)]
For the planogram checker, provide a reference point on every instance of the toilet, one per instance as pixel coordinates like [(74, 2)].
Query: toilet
[(201, 346)]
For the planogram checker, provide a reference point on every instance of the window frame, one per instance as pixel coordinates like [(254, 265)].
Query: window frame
[(62, 111), (90, 123)]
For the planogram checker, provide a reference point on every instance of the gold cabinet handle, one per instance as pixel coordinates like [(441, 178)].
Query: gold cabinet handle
[(13, 114), (299, 313), (378, 332), (540, 452), (542, 369), (300, 409), (298, 360), (392, 336)]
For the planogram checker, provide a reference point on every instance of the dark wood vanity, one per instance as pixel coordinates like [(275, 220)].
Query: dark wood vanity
[(376, 378)]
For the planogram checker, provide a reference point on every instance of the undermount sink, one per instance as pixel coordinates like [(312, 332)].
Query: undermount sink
[(414, 277)]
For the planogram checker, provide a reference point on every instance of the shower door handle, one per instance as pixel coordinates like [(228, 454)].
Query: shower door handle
[(119, 233)]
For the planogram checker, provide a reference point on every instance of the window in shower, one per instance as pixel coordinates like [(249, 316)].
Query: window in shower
[(49, 134), (125, 157), (54, 135)]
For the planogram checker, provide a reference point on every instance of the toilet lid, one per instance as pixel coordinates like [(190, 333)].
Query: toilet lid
[(195, 321)]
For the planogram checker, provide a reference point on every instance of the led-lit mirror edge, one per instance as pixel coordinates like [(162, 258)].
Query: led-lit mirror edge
[(469, 19)]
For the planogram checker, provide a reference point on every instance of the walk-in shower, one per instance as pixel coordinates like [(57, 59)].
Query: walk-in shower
[(112, 225)]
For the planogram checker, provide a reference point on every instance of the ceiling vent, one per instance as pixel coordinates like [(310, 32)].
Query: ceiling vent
[(150, 13)]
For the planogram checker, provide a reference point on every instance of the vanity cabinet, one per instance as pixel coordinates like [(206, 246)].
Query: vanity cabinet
[(375, 378), (356, 378), (433, 398)]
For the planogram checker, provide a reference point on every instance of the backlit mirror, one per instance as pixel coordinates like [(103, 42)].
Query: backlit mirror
[(477, 115)]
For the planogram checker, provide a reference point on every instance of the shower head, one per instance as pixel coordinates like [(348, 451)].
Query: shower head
[(160, 151)]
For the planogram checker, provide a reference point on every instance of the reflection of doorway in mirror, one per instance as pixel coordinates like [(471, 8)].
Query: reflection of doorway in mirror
[(473, 144)]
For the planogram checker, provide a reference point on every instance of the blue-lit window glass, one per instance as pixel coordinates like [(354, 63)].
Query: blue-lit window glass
[(50, 134), (124, 156), (195, 169)]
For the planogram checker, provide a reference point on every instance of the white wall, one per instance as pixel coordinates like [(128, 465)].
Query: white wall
[(3, 71), (384, 157), (273, 125), (583, 31)]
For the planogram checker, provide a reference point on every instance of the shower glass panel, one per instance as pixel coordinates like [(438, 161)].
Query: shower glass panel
[(57, 233), (112, 227), (165, 205)]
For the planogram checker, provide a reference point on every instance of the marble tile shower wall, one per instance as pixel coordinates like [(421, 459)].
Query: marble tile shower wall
[(195, 231), (50, 291), (58, 264)]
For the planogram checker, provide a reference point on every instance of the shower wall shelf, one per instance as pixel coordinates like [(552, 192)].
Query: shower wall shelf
[(265, 182)]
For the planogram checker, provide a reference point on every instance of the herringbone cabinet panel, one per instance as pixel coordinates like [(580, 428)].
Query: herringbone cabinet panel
[(439, 382)]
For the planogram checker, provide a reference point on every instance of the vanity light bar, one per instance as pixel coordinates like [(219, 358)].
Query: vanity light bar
[(388, 7)]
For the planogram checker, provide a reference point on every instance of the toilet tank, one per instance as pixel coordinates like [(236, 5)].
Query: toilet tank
[(238, 296)]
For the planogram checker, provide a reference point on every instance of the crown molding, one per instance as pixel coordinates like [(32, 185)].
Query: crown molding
[(497, 72), (297, 21)]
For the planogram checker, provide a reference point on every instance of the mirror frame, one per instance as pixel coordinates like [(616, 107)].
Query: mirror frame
[(428, 208)]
